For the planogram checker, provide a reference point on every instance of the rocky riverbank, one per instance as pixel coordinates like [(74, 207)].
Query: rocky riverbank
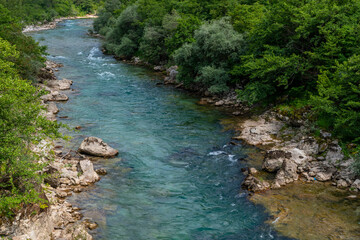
[(301, 176), (292, 151), (304, 180), (51, 25), (67, 173)]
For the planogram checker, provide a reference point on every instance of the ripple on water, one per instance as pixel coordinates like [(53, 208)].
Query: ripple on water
[(166, 185)]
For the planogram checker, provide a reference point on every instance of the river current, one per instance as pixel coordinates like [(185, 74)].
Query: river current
[(176, 176)]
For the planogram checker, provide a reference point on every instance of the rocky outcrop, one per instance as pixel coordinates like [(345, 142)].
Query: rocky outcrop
[(171, 72), (295, 155), (260, 132), (88, 173), (97, 147), (254, 184), (63, 84), (66, 174), (274, 160), (54, 96)]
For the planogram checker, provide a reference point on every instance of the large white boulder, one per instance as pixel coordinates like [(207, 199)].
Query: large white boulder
[(97, 147)]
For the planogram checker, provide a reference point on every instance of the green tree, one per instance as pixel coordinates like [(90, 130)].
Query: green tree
[(207, 60)]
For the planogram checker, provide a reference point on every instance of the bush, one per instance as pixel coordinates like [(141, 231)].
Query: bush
[(127, 32), (338, 99), (216, 48)]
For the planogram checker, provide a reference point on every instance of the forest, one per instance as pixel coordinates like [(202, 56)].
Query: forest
[(35, 11), (301, 56)]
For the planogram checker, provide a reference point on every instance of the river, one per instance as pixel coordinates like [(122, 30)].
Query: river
[(176, 176)]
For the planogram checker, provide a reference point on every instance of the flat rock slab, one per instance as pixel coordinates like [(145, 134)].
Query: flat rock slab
[(60, 84), (97, 147), (54, 96)]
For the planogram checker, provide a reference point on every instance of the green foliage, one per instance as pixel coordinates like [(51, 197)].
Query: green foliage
[(208, 59), (21, 126), (30, 59), (123, 40), (339, 96), (302, 54), (34, 11)]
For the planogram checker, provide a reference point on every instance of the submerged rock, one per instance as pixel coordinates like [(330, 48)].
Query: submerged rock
[(97, 147)]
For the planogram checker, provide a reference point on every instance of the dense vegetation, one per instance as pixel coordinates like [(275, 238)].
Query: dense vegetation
[(298, 54), (33, 11), (21, 123)]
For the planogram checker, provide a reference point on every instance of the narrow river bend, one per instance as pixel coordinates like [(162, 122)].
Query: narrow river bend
[(176, 177)]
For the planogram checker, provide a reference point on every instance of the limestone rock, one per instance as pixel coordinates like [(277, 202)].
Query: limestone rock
[(298, 156), (96, 147), (324, 176), (52, 108), (54, 96), (309, 146), (334, 154), (274, 160), (342, 184), (253, 184), (64, 84), (287, 173), (88, 174), (356, 185)]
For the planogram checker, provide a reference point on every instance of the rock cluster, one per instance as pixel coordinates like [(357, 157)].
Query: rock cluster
[(66, 174), (295, 155)]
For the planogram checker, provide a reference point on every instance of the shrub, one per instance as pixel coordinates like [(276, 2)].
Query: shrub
[(216, 48)]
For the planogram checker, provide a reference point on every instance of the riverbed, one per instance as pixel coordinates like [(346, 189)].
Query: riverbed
[(177, 176)]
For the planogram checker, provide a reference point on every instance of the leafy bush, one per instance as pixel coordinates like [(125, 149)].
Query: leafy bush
[(216, 48), (152, 45), (338, 98), (127, 32)]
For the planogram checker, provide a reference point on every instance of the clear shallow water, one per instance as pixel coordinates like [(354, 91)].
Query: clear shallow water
[(177, 177)]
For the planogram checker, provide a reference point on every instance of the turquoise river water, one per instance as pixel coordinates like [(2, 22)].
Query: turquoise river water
[(176, 177)]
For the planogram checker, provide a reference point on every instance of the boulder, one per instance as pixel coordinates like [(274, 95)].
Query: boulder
[(253, 184), (172, 73), (274, 160), (356, 185), (287, 173), (334, 154), (96, 147), (309, 146), (54, 96), (159, 68), (298, 156), (52, 108), (88, 173), (60, 84), (324, 176), (101, 171)]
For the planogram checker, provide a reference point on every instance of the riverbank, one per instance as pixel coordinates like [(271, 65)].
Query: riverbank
[(296, 168), (158, 190), (67, 173), (52, 24)]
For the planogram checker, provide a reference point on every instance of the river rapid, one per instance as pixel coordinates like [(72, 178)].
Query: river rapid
[(176, 176)]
